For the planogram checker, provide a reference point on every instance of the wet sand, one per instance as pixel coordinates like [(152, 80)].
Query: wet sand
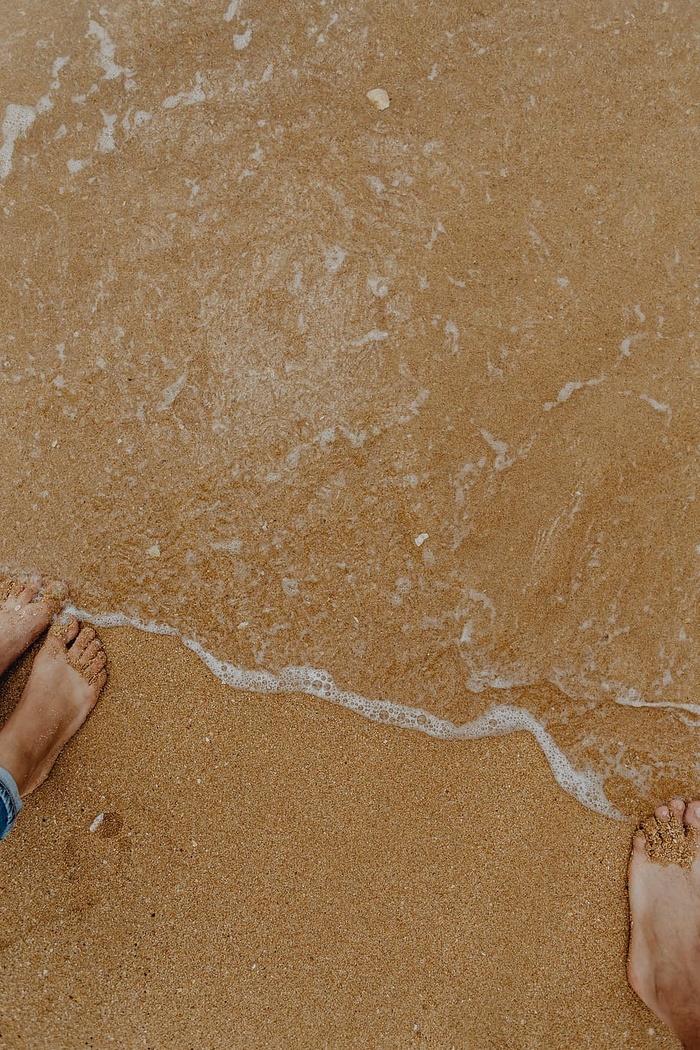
[(274, 871)]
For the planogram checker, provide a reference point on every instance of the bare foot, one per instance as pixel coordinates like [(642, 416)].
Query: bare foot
[(24, 613), (68, 675), (664, 956)]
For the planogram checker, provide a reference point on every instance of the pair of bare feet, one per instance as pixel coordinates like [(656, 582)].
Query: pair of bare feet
[(70, 671), (68, 675)]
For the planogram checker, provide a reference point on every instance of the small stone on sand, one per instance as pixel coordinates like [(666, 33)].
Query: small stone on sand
[(379, 97), (153, 552)]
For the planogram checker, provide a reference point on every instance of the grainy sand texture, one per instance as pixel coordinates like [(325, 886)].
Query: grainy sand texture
[(353, 346), (271, 871)]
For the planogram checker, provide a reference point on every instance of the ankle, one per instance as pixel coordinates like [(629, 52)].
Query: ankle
[(14, 759)]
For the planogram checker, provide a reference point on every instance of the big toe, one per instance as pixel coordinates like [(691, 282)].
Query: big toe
[(639, 846), (55, 593), (677, 807), (61, 634), (15, 589), (692, 814), (27, 592)]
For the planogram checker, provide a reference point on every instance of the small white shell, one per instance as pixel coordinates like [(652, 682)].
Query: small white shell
[(96, 822), (379, 97)]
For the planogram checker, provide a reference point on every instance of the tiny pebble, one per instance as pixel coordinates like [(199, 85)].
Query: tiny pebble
[(97, 821), (420, 540), (379, 97), (154, 551)]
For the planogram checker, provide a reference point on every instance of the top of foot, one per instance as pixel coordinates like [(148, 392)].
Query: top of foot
[(68, 675), (26, 610), (664, 887)]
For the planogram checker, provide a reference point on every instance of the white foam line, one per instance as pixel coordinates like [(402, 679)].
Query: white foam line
[(107, 52), (694, 709), (498, 720), (658, 406), (120, 620), (375, 336), (568, 389), (18, 120)]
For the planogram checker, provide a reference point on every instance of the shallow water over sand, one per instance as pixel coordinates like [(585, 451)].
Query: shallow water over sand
[(409, 396)]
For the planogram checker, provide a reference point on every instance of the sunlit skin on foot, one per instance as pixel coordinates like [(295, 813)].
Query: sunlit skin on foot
[(68, 675), (25, 613), (664, 955)]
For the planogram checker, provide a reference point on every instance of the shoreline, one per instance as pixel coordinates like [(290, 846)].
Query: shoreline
[(404, 393), (275, 871), (498, 719)]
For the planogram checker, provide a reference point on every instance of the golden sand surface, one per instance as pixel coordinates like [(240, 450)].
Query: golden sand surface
[(274, 871), (406, 395)]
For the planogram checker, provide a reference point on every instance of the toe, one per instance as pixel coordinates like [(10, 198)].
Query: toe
[(677, 807), (639, 845), (100, 681), (55, 593), (662, 812), (81, 642), (65, 631), (95, 667), (692, 814), (90, 652), (28, 593)]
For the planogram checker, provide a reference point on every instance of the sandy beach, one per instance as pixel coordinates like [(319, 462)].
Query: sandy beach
[(403, 397), (276, 872)]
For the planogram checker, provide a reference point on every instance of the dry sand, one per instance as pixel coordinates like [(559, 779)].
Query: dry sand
[(274, 871)]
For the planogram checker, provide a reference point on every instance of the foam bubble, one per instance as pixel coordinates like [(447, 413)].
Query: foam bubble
[(18, 120), (107, 52), (241, 40)]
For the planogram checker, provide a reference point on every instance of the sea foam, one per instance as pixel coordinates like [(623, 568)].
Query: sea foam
[(498, 720)]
